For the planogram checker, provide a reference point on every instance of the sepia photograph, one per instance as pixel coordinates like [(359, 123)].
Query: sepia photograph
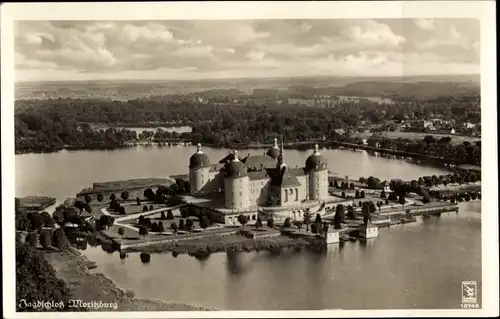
[(267, 161)]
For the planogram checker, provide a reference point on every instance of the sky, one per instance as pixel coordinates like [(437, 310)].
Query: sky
[(201, 49)]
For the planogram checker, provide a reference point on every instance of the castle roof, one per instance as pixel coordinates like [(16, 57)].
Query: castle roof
[(199, 159), (316, 161), (274, 151), (258, 162), (235, 168)]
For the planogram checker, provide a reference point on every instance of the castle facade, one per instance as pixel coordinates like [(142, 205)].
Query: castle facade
[(259, 180)]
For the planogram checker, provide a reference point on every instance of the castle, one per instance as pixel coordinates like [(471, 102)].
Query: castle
[(256, 181)]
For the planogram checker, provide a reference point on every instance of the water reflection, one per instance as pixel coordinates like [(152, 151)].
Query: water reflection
[(392, 270)]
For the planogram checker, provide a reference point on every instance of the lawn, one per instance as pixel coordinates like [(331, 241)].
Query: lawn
[(131, 184), (455, 139)]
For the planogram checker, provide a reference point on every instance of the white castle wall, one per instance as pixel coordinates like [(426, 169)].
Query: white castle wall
[(237, 193)]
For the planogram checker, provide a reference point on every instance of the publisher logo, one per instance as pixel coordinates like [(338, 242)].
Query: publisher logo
[(469, 292)]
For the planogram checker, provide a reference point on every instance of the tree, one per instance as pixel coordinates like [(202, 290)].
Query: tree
[(258, 223), (45, 238), (298, 224), (154, 227), (138, 201), (143, 231), (122, 210), (36, 220), (145, 208), (314, 228), (426, 199), (325, 227), (288, 222), (100, 198), (242, 219), (401, 199), (337, 221), (141, 220), (161, 228), (47, 219), (31, 239), (162, 215), (87, 198), (145, 257), (58, 216), (181, 224), (372, 207), (366, 213), (184, 212), (106, 221), (174, 227), (270, 222), (351, 212), (204, 221), (170, 215), (307, 218), (149, 194), (112, 197), (189, 225), (340, 210), (59, 239), (121, 231), (318, 219), (125, 195), (113, 204)]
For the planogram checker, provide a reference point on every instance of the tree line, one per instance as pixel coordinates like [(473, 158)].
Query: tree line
[(52, 124)]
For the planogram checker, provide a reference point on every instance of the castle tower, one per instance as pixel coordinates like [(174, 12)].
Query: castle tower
[(317, 168), (236, 184), (281, 157), (199, 168)]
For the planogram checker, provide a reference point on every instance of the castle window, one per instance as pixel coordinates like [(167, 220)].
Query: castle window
[(254, 217), (241, 194)]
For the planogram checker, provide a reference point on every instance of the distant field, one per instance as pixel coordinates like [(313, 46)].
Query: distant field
[(455, 139)]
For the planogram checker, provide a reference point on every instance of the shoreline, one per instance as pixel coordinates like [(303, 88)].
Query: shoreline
[(72, 267), (420, 158), (200, 248)]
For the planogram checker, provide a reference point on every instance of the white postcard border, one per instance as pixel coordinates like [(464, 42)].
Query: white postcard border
[(483, 10)]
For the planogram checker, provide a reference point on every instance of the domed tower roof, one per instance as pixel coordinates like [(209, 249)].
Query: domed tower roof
[(316, 161), (199, 159), (235, 168), (274, 151)]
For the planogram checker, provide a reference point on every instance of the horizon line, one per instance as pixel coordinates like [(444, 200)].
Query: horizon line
[(253, 78)]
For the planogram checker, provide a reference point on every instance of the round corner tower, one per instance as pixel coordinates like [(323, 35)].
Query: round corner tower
[(199, 169), (317, 168), (236, 184)]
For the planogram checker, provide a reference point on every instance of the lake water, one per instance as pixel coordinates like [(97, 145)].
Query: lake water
[(418, 265)]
